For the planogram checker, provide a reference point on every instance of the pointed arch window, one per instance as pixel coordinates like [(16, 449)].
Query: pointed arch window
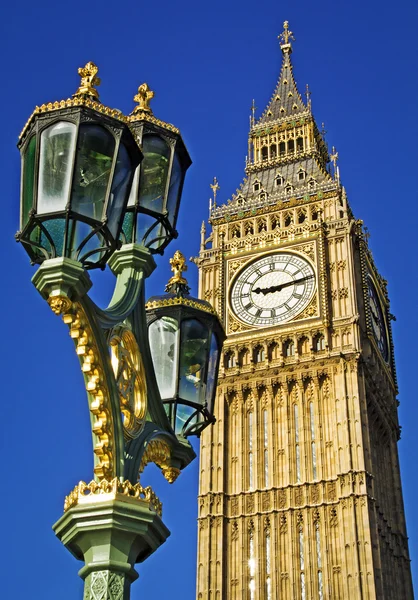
[(251, 565), (301, 175), (297, 446), (289, 189), (302, 565), (279, 180), (256, 186), (319, 343), (289, 348), (273, 151), (319, 561), (288, 219), (268, 565), (266, 455), (301, 216), (312, 183), (264, 153), (313, 442), (299, 144), (291, 146), (250, 452)]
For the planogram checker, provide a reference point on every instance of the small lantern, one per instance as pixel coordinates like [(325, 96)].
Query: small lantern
[(186, 339), (78, 162), (154, 202)]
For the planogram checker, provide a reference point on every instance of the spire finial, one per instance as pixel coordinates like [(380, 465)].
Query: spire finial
[(143, 97), (253, 109), (334, 158), (285, 37), (308, 95), (89, 79), (215, 187), (178, 284)]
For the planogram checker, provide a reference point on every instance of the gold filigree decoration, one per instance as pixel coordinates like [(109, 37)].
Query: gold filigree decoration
[(59, 304), (234, 325), (74, 102), (178, 266), (93, 492), (180, 300), (96, 387), (171, 474), (310, 311), (143, 97), (89, 79), (159, 452), (131, 381)]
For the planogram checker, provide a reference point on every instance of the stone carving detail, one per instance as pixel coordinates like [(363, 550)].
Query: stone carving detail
[(250, 503), (333, 517), (283, 524), (310, 311), (235, 531), (298, 496), (308, 249), (331, 491), (282, 499), (343, 292), (234, 506), (234, 325), (315, 494), (104, 585), (266, 501)]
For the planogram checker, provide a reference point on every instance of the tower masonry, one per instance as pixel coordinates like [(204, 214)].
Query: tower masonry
[(300, 493)]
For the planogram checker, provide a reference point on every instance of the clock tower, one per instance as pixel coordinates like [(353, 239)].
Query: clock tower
[(300, 493)]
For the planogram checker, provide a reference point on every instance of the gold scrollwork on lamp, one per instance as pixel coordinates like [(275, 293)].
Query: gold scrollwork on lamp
[(130, 379)]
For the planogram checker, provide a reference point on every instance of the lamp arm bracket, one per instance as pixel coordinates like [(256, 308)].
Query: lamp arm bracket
[(132, 264)]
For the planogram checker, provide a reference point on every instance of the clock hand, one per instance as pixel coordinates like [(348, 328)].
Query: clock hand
[(278, 288)]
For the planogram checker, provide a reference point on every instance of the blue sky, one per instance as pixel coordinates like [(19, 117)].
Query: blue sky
[(206, 62)]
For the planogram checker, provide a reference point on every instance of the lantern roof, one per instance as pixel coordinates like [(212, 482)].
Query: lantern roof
[(143, 111), (86, 96), (177, 290)]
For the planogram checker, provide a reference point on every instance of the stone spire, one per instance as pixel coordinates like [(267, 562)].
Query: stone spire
[(286, 100)]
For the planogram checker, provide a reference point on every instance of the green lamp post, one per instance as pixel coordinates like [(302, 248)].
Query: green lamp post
[(100, 188)]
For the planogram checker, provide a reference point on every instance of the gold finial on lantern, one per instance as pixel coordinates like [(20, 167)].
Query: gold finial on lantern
[(143, 97), (89, 79)]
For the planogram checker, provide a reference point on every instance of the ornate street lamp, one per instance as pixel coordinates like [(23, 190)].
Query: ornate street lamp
[(82, 182), (185, 338), (78, 161), (154, 201)]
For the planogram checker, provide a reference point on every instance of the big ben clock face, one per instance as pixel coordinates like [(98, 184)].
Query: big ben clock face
[(272, 289), (377, 320)]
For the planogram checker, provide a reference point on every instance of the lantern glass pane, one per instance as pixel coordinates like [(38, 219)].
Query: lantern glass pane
[(164, 340), (154, 172), (183, 414), (95, 151), (149, 231), (55, 166), (173, 191), (133, 195), (81, 242), (55, 229), (28, 180), (212, 371), (193, 359), (121, 178)]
